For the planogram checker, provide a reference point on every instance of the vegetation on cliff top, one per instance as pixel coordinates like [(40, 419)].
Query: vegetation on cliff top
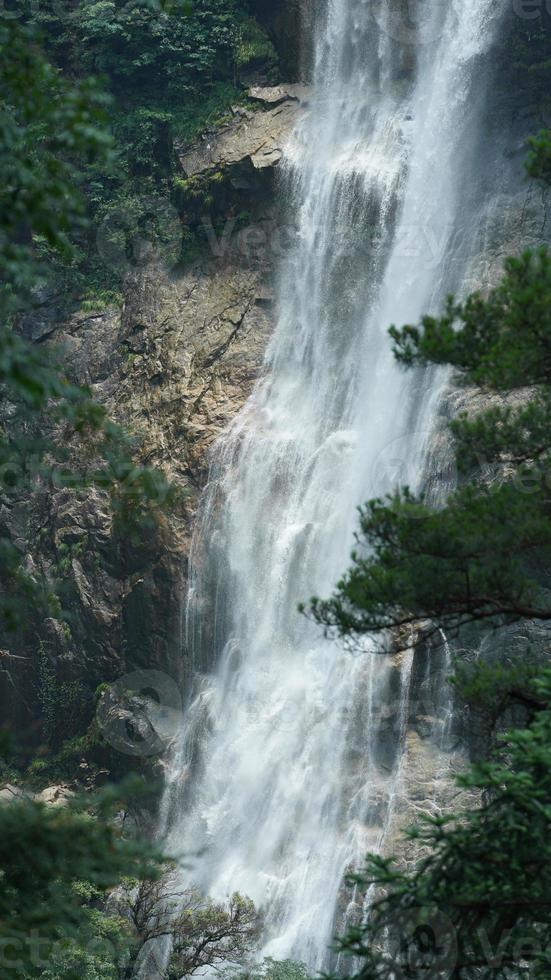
[(168, 70)]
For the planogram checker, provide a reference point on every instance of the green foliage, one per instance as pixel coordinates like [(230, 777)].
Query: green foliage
[(253, 45), (493, 687), (207, 934), (55, 863), (193, 116), (95, 954), (62, 765), (63, 704), (204, 935), (466, 562), (8, 772), (501, 341), (58, 866), (48, 127), (149, 45), (482, 556), (539, 160), (506, 435), (271, 969), (478, 902), (171, 69)]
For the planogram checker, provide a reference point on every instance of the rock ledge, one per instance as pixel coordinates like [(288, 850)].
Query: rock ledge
[(251, 138)]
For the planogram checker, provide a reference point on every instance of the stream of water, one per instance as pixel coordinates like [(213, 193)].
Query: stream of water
[(281, 778)]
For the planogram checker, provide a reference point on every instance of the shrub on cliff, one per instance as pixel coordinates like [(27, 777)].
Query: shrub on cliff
[(57, 865), (478, 558)]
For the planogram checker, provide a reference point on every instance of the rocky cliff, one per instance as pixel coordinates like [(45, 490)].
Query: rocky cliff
[(174, 365)]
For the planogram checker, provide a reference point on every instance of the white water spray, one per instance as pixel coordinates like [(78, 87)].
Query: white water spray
[(283, 777)]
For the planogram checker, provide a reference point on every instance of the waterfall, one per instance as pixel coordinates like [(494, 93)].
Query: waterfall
[(283, 776)]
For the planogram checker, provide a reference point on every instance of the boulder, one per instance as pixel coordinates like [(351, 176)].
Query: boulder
[(55, 795), (12, 794), (275, 95)]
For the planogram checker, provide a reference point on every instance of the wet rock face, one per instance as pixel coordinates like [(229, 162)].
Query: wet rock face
[(191, 349), (174, 366)]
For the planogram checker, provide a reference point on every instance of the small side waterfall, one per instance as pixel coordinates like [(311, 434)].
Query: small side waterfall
[(284, 777)]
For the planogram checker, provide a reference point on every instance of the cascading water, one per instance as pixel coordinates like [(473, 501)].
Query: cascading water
[(282, 778)]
